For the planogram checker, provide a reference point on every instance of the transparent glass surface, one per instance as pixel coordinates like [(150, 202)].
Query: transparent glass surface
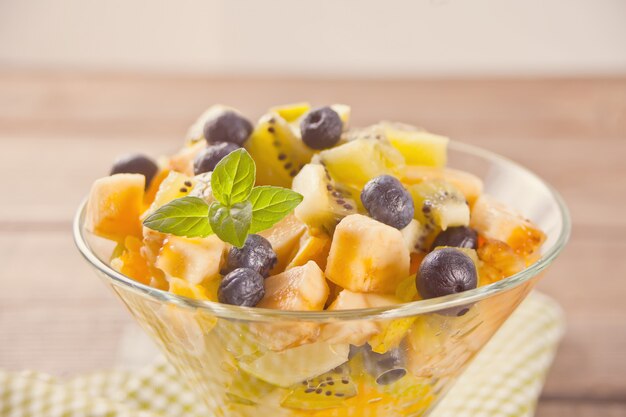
[(250, 361)]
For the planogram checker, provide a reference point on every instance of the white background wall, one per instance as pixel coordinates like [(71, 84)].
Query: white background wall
[(320, 37)]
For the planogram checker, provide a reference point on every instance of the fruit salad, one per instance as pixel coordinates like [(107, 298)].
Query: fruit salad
[(301, 212)]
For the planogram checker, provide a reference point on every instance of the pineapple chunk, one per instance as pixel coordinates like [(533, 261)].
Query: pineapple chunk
[(497, 221), (356, 162), (312, 248), (197, 292), (360, 331), (284, 237), (470, 185), (291, 112), (417, 146), (302, 288), (195, 260), (114, 206), (367, 256)]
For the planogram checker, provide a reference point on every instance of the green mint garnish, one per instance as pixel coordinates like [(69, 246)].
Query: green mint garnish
[(240, 209), (187, 216), (233, 178)]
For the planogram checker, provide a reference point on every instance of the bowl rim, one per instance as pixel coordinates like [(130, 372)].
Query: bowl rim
[(412, 308)]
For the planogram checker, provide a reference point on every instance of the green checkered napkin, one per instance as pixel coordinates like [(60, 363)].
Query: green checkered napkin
[(504, 380)]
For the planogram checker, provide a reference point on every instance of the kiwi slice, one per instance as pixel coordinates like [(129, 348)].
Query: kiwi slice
[(325, 201), (325, 391), (278, 152), (438, 205)]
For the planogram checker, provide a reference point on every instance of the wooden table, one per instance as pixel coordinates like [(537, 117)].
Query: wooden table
[(58, 132)]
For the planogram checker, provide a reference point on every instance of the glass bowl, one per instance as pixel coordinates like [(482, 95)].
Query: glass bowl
[(235, 360)]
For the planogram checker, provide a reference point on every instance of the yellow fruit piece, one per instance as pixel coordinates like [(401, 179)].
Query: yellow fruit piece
[(367, 256), (355, 332), (407, 290), (291, 112), (495, 220), (114, 206), (392, 334), (175, 185), (470, 185), (196, 260), (343, 110), (278, 152), (183, 160), (312, 248), (197, 292), (154, 186), (131, 262), (356, 162), (417, 146), (499, 261), (284, 237)]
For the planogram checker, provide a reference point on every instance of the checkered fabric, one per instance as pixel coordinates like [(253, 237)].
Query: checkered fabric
[(504, 380)]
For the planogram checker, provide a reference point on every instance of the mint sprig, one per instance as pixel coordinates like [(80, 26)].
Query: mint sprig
[(240, 208)]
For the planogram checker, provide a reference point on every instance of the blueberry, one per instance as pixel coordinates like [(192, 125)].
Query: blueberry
[(321, 128), (135, 164), (241, 287), (446, 271), (228, 127), (209, 157), (256, 254), (458, 237), (386, 200), (386, 367)]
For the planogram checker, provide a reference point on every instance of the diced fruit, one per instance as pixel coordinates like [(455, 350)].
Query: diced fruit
[(135, 164), (175, 185), (470, 185), (367, 256), (114, 206), (298, 364), (311, 248), (131, 262), (321, 128), (325, 203), (291, 112), (438, 205), (279, 154), (207, 158), (241, 287), (227, 126), (416, 261), (391, 335), (245, 389), (202, 187), (407, 290), (256, 253), (328, 390), (356, 162), (343, 110), (417, 146), (499, 261), (183, 160), (152, 190), (284, 237), (197, 292), (355, 332), (195, 260), (459, 237), (497, 221), (386, 200), (302, 288), (414, 235), (446, 271)]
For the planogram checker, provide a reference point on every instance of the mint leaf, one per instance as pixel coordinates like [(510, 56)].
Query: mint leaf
[(270, 205), (231, 224), (187, 216), (233, 178)]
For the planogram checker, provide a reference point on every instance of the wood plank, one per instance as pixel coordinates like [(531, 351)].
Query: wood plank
[(552, 408)]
